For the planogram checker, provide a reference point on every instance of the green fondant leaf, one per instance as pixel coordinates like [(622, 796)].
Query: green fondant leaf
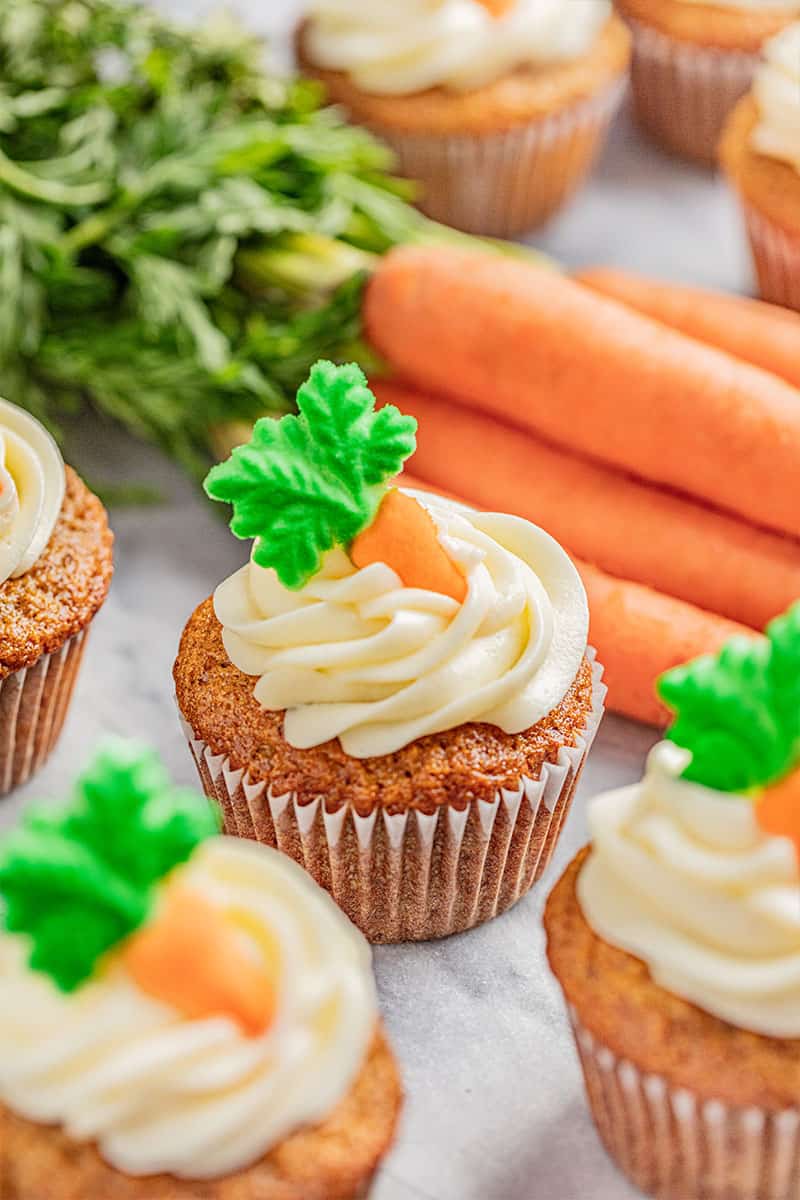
[(304, 484), (738, 712), (79, 878)]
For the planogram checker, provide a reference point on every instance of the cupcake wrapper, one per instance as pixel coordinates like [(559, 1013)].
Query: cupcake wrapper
[(411, 876), (676, 1145), (501, 184), (777, 259), (684, 93), (33, 705)]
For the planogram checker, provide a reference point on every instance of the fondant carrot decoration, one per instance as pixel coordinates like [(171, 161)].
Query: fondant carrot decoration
[(305, 484), (191, 957), (762, 334), (738, 713), (498, 8), (529, 346)]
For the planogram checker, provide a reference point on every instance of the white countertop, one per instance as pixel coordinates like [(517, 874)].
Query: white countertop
[(495, 1107)]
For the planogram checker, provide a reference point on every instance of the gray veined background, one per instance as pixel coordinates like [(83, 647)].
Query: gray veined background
[(495, 1106)]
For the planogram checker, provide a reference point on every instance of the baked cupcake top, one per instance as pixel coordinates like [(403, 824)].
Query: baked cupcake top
[(412, 45), (695, 870), (375, 615), (777, 95), (32, 486), (183, 1000)]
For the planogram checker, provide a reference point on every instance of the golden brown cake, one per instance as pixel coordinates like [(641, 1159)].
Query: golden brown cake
[(395, 691), (55, 571), (692, 62), (501, 154)]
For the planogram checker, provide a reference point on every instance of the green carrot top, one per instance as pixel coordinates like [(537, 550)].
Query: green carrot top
[(738, 712), (306, 483), (80, 878)]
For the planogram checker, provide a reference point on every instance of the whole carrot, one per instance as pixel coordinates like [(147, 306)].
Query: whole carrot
[(634, 530), (763, 334), (589, 374)]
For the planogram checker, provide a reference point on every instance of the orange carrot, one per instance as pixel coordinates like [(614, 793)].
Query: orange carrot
[(497, 7), (638, 633), (404, 536), (628, 528), (778, 808), (189, 956), (589, 374), (758, 333)]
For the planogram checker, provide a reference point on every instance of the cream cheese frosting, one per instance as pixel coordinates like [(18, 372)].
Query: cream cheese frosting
[(356, 655), (682, 877), (32, 484), (412, 45), (777, 93), (197, 1099)]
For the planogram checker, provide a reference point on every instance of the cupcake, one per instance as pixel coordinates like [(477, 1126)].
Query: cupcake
[(498, 107), (55, 571), (676, 937), (760, 152), (396, 691), (693, 61), (181, 1014)]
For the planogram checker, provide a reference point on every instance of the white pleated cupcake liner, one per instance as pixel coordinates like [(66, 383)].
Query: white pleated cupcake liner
[(684, 93), (776, 254), (33, 706), (678, 1146), (411, 876), (507, 183)]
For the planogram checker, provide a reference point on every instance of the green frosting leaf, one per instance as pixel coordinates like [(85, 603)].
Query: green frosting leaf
[(738, 712), (304, 484), (78, 879)]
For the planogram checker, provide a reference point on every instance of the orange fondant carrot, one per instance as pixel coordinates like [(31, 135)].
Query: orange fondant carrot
[(758, 333), (639, 633), (497, 8), (587, 373), (628, 528), (404, 536), (778, 808), (191, 957)]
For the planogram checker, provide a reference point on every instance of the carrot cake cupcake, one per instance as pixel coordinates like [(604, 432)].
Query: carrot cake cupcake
[(181, 1014), (760, 152), (55, 571), (498, 107), (692, 62), (396, 691), (676, 936)]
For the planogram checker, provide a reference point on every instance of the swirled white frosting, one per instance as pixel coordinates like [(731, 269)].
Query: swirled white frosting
[(356, 655), (411, 45), (683, 877), (32, 486), (777, 93), (197, 1099)]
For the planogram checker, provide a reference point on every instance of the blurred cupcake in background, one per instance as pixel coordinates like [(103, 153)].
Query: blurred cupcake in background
[(498, 107), (693, 61), (676, 936), (760, 152), (55, 572)]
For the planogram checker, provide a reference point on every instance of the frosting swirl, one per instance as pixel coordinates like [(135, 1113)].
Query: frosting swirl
[(777, 93), (683, 877), (32, 484), (411, 45), (356, 655), (197, 1099)]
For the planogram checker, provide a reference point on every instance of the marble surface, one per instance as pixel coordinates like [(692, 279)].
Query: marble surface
[(495, 1107)]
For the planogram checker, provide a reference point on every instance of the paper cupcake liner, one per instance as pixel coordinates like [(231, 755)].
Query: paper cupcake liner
[(684, 93), (411, 876), (501, 184), (679, 1146), (776, 253), (33, 705)]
